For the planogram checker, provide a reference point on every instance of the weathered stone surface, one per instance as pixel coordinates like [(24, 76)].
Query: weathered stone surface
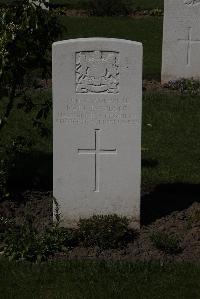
[(181, 40), (97, 105)]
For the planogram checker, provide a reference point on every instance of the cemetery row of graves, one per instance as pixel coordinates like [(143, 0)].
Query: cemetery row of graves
[(166, 205)]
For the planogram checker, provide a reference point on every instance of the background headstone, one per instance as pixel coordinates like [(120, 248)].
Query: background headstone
[(181, 40), (97, 105)]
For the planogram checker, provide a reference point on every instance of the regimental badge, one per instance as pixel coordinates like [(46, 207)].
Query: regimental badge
[(191, 2), (97, 72)]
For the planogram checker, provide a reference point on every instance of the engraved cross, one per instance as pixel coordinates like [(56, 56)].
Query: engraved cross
[(97, 151), (189, 42)]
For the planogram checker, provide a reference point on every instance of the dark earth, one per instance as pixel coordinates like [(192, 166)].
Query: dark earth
[(172, 209)]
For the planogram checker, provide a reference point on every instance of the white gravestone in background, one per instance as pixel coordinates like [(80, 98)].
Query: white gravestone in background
[(181, 40), (97, 103)]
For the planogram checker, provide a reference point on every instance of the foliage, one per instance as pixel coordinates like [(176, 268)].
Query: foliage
[(194, 219), (109, 231), (26, 34), (40, 102), (166, 242), (5, 225), (156, 12), (110, 7), (25, 242), (185, 86)]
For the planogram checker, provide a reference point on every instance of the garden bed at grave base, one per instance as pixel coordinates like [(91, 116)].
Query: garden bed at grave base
[(172, 238)]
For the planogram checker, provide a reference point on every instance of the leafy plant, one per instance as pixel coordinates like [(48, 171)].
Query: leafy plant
[(25, 242), (110, 231), (5, 225), (157, 12), (166, 242), (185, 86), (26, 34), (110, 7), (194, 219), (41, 103)]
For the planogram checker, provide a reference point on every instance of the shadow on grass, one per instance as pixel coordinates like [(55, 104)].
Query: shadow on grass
[(149, 163), (31, 171), (167, 198)]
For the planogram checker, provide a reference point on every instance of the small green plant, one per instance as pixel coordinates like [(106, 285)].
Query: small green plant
[(61, 11), (194, 219), (196, 216), (157, 12), (24, 242), (5, 225), (166, 242), (185, 86), (109, 231)]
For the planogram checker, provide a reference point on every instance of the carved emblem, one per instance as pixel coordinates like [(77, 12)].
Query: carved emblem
[(191, 2), (97, 72)]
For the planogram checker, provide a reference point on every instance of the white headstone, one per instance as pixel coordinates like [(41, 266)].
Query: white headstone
[(181, 40), (97, 103)]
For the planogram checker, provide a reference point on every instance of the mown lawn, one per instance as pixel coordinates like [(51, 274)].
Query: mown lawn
[(87, 280), (170, 139), (142, 4)]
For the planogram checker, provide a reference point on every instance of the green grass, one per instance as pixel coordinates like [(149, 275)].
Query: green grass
[(147, 30), (170, 136), (141, 4), (81, 4), (148, 4), (82, 280)]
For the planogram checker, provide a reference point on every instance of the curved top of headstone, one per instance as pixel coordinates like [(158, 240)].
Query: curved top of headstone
[(98, 39)]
